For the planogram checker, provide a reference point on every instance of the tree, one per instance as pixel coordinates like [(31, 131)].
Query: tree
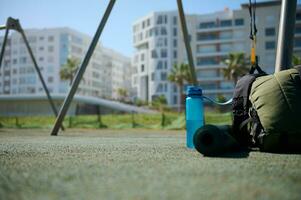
[(296, 60), (122, 93), (69, 69), (67, 72), (160, 103), (179, 75), (236, 66)]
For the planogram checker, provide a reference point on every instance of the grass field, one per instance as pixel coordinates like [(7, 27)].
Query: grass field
[(135, 164), (174, 121)]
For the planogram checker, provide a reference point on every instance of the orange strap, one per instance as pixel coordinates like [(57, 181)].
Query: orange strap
[(253, 52)]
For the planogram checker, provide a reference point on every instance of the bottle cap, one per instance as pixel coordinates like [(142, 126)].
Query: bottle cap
[(194, 91)]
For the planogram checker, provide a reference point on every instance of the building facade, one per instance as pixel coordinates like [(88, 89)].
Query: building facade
[(52, 47), (159, 45)]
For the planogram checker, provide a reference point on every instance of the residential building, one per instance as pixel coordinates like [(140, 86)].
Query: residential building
[(159, 45), (51, 48)]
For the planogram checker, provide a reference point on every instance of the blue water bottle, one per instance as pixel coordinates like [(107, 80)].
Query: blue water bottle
[(194, 113)]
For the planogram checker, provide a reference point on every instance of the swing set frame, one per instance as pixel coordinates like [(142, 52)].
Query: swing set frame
[(283, 58)]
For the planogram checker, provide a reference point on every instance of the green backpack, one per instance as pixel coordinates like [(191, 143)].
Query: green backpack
[(269, 116)]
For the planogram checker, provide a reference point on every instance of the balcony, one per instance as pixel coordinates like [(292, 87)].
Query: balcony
[(218, 40), (210, 79), (212, 53), (218, 29), (214, 66)]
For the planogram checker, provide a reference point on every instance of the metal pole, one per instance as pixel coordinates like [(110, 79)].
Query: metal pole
[(3, 46), (187, 41), (82, 69), (39, 73), (286, 35)]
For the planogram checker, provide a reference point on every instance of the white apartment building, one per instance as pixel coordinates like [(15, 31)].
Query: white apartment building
[(51, 48), (159, 45)]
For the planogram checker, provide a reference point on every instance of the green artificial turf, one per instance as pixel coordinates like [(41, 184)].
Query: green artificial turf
[(136, 164), (173, 120)]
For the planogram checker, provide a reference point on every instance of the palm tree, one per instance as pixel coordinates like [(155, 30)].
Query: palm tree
[(160, 103), (69, 69), (296, 60), (67, 72), (236, 66), (180, 74), (122, 93)]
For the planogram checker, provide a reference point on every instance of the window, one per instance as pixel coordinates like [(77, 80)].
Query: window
[(22, 60), (50, 48), (163, 53), (297, 42), (270, 31), (175, 20), (148, 22), (175, 32), (41, 38), (207, 25), (226, 23), (239, 22), (163, 76), (41, 58), (142, 57), (175, 43), (270, 45), (50, 79), (207, 61), (50, 39), (160, 19), (298, 30), (153, 76), (175, 54), (32, 39), (41, 48), (207, 36), (160, 65), (175, 99), (154, 53), (165, 64), (143, 24), (142, 68), (159, 87), (163, 31), (175, 88)]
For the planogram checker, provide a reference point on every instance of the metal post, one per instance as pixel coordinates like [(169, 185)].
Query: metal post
[(286, 35), (3, 46), (187, 41), (82, 69)]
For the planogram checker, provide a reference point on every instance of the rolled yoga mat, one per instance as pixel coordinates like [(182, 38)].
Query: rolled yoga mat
[(212, 140)]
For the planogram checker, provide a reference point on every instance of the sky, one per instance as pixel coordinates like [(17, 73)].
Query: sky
[(85, 15)]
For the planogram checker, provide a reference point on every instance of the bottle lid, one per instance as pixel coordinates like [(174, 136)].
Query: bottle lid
[(194, 91)]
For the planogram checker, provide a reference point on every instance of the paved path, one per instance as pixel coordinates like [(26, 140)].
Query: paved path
[(138, 164)]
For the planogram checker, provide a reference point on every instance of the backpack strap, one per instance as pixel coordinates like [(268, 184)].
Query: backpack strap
[(240, 107), (298, 67)]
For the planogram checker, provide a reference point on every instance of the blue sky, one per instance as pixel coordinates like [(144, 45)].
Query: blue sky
[(84, 15)]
